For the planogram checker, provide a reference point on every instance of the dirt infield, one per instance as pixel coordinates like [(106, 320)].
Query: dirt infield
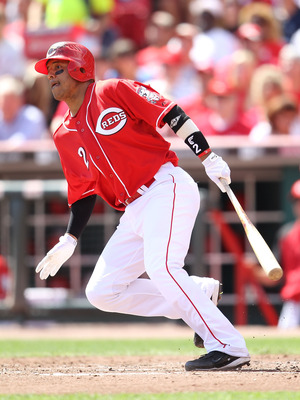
[(143, 374)]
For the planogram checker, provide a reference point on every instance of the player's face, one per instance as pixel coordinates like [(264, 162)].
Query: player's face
[(62, 85)]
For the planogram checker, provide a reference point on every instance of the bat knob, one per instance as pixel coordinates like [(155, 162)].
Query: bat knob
[(275, 274)]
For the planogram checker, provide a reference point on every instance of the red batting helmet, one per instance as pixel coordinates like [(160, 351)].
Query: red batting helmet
[(82, 63), (295, 190)]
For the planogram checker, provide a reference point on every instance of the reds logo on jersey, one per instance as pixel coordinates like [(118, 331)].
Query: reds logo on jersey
[(111, 121)]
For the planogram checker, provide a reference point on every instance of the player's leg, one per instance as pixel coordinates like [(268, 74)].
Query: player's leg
[(114, 285), (167, 225)]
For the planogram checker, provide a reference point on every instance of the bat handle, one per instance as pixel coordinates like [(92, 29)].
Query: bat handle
[(225, 184), (231, 195)]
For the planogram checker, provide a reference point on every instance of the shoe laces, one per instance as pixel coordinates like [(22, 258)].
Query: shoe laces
[(211, 354)]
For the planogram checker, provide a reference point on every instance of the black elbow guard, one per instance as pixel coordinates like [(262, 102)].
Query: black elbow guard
[(175, 118)]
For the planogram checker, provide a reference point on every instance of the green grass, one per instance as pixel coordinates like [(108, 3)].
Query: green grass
[(165, 396), (102, 347), (56, 347), (273, 345)]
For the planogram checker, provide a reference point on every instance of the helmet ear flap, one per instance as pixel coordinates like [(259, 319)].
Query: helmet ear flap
[(78, 72), (74, 70)]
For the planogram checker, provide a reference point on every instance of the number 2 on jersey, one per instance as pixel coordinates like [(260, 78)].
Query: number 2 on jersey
[(82, 153)]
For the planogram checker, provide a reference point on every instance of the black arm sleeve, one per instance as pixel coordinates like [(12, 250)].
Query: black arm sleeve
[(81, 211), (175, 118)]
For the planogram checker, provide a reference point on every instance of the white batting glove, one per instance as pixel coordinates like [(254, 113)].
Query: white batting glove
[(57, 256), (216, 168)]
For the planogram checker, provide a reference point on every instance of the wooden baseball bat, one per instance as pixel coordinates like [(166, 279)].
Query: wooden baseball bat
[(262, 251)]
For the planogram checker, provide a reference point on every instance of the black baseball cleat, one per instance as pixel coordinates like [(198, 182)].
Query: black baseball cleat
[(215, 298), (216, 361)]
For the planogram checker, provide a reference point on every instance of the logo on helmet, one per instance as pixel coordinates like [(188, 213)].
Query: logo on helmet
[(53, 49), (111, 121)]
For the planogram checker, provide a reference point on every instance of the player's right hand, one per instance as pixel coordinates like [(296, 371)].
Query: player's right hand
[(57, 256)]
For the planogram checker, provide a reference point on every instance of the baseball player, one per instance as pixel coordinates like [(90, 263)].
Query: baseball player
[(109, 146)]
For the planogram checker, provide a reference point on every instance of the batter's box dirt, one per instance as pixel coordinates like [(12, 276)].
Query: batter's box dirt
[(143, 374)]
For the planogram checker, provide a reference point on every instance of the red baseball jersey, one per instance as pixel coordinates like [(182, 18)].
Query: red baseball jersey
[(112, 146)]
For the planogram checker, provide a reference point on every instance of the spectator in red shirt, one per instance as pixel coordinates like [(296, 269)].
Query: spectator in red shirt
[(130, 17), (179, 77), (160, 29), (267, 82), (223, 116), (251, 38), (5, 278), (289, 246), (238, 70), (282, 118), (289, 63), (287, 251), (197, 104), (262, 15)]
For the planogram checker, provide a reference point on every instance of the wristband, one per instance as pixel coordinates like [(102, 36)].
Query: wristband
[(67, 238), (198, 144), (208, 151)]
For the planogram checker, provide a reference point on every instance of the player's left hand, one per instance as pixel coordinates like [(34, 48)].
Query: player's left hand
[(58, 255), (216, 168)]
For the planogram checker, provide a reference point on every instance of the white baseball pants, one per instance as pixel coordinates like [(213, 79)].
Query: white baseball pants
[(154, 236)]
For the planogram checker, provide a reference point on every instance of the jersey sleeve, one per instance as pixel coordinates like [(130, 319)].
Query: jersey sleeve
[(143, 102)]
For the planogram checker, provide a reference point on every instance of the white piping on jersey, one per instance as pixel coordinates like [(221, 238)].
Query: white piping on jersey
[(109, 163), (164, 111), (68, 129), (97, 166), (89, 191)]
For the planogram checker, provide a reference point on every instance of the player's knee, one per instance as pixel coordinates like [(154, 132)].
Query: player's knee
[(158, 268), (91, 296), (97, 297), (156, 272)]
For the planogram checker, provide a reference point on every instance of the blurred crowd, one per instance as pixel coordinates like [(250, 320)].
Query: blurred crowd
[(232, 65)]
